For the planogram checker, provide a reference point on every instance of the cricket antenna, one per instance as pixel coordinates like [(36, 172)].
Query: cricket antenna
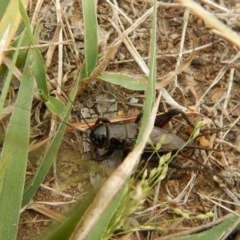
[(86, 122), (64, 95)]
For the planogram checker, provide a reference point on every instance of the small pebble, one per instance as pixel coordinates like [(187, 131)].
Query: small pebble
[(133, 100)]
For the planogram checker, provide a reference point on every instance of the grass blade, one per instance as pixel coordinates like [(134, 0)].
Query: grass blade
[(65, 229), (11, 19), (3, 167), (124, 80), (47, 161), (15, 149), (54, 105), (39, 68), (99, 230), (150, 93), (90, 35), (214, 233), (9, 75), (50, 153)]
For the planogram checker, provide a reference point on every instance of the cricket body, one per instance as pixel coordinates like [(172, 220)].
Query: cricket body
[(122, 136), (114, 136)]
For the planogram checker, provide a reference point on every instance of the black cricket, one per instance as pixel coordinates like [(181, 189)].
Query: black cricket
[(122, 136)]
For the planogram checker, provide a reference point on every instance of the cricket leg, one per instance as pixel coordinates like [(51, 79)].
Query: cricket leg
[(163, 119)]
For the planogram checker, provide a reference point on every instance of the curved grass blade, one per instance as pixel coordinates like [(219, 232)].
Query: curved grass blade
[(214, 233), (16, 150), (100, 229), (66, 228), (124, 80), (50, 153), (54, 105)]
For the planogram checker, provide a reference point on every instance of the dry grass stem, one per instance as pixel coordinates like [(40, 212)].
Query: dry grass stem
[(213, 22)]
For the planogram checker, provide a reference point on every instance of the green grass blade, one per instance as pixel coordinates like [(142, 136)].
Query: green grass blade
[(150, 92), (40, 73), (10, 20), (50, 153), (126, 81), (90, 35), (3, 167), (3, 7), (22, 55), (39, 68), (100, 228), (55, 106), (26, 21), (9, 75), (47, 161), (15, 149), (214, 233), (66, 228)]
